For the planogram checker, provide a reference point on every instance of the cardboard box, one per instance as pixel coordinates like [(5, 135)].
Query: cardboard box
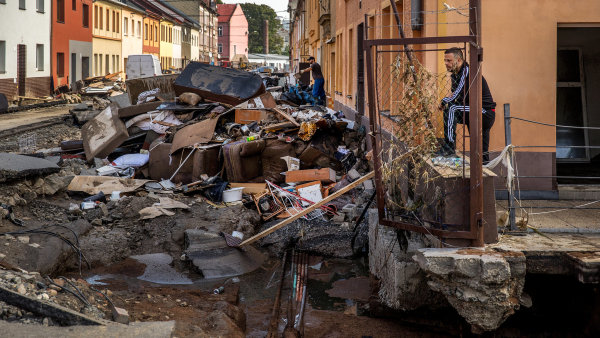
[(325, 175)]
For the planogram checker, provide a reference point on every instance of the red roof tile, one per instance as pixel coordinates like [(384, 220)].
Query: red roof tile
[(225, 11)]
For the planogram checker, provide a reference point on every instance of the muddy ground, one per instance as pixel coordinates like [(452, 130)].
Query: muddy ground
[(109, 235)]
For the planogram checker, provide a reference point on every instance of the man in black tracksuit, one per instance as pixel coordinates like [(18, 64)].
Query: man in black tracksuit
[(456, 106)]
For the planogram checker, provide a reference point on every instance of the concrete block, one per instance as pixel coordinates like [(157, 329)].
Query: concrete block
[(14, 166), (468, 266), (353, 174), (120, 315), (103, 134), (494, 269)]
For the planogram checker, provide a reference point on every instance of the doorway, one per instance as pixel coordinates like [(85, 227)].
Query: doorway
[(577, 103), (21, 68), (85, 67), (360, 71), (73, 68)]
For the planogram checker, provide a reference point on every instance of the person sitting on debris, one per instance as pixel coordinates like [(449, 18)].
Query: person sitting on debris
[(318, 91), (458, 103)]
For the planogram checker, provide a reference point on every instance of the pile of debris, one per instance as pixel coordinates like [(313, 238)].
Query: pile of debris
[(218, 134)]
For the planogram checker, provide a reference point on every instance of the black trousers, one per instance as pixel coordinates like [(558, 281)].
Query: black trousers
[(454, 114)]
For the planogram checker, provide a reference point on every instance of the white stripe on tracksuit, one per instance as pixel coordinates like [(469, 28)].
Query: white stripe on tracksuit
[(450, 123), (461, 84)]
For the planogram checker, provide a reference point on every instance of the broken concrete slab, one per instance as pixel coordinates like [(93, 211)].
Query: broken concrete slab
[(484, 286), (103, 134), (59, 313), (218, 84), (14, 166), (214, 259), (96, 184), (135, 329)]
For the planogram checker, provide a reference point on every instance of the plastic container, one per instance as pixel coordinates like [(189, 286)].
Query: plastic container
[(232, 195), (115, 195)]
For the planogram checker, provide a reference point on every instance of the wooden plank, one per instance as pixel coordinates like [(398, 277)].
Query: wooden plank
[(59, 313), (309, 209), (250, 188), (287, 117)]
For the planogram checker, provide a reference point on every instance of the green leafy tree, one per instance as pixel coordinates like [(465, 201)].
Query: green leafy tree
[(256, 16)]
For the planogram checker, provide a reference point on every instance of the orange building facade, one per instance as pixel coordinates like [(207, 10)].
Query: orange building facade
[(151, 39), (71, 52), (523, 70)]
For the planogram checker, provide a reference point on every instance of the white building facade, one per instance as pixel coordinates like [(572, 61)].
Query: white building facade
[(25, 48)]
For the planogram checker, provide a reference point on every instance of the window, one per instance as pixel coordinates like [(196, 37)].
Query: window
[(107, 64), (220, 48), (118, 68), (86, 15), (139, 28), (162, 33), (155, 33), (22, 4), (108, 19), (101, 19), (95, 64), (132, 27), (60, 11), (2, 57), (113, 21), (146, 31), (118, 25), (39, 57), (60, 64), (40, 6), (74, 4), (220, 30), (2, 1), (125, 26)]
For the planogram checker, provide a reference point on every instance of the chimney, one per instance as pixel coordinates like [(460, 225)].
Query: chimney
[(266, 36)]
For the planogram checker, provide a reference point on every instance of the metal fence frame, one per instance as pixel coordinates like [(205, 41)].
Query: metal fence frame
[(475, 234)]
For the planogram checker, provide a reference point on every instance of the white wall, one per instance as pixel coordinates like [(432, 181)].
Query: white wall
[(195, 45), (28, 27), (132, 42), (176, 47), (82, 49)]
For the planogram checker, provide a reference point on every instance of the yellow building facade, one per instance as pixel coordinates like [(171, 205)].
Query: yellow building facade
[(106, 38), (166, 44)]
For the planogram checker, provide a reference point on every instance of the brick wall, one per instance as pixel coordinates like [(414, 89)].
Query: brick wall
[(34, 87)]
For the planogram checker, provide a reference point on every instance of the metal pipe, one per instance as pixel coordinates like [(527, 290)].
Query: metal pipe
[(476, 169)]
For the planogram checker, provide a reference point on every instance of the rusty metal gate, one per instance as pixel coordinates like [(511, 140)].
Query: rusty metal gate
[(417, 190)]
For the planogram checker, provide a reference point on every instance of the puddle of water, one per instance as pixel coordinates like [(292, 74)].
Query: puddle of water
[(96, 279), (158, 269)]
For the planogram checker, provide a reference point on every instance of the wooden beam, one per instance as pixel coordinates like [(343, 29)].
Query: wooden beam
[(59, 313), (309, 209), (289, 118)]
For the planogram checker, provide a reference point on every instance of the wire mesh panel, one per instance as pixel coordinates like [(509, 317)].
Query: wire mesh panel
[(422, 125)]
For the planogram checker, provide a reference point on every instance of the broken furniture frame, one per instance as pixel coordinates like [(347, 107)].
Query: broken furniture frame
[(475, 234)]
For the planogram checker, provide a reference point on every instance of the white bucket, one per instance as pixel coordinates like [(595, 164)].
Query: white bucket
[(232, 195)]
